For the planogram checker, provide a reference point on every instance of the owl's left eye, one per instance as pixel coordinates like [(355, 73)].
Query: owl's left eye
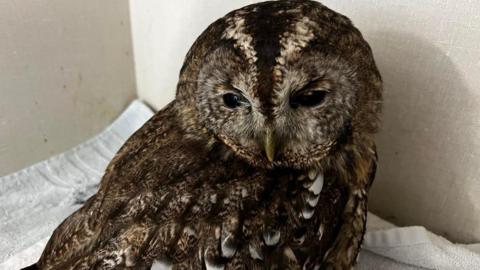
[(232, 100), (309, 98)]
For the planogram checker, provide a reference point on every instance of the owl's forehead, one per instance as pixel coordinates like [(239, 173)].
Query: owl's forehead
[(268, 37)]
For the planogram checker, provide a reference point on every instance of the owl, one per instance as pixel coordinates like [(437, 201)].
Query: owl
[(263, 160)]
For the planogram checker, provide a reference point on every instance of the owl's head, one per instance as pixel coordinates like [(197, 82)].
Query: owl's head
[(281, 83)]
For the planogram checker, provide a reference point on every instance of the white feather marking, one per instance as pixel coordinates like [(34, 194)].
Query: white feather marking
[(129, 257), (271, 238), (312, 201), (189, 231), (254, 253), (244, 193), (185, 198), (307, 262), (161, 265), (209, 265), (292, 43), (360, 193), (288, 252), (317, 186), (244, 41), (200, 254), (307, 213), (227, 251), (312, 174), (320, 231)]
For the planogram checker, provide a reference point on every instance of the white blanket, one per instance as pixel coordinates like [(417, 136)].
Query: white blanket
[(35, 200)]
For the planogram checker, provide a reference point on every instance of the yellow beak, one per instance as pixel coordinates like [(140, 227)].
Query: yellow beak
[(269, 145)]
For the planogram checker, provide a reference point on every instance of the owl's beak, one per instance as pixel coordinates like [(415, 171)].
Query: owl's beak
[(269, 145)]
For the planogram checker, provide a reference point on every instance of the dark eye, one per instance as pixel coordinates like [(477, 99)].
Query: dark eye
[(307, 98), (232, 100)]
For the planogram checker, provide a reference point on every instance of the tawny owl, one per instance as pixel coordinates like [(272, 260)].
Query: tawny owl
[(263, 160)]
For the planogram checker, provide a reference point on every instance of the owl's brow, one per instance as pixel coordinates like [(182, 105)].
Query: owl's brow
[(223, 86), (191, 81), (317, 83), (236, 31), (292, 42)]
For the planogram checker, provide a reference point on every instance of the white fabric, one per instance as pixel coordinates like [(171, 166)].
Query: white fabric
[(35, 200), (389, 247)]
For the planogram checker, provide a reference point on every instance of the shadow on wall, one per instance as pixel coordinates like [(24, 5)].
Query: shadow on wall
[(426, 173)]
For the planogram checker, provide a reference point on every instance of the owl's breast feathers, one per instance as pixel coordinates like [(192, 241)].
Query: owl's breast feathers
[(167, 199)]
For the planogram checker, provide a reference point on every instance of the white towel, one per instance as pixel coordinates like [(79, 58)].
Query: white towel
[(417, 247), (35, 200)]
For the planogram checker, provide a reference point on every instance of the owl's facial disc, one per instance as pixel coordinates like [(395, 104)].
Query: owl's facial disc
[(277, 84), (296, 127)]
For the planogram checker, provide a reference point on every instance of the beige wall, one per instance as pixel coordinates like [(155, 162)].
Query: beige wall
[(429, 56), (66, 71)]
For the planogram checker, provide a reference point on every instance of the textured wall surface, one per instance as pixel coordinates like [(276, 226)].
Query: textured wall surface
[(66, 71), (429, 56)]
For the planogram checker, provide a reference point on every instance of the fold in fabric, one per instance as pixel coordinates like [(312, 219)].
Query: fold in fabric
[(417, 247), (34, 201)]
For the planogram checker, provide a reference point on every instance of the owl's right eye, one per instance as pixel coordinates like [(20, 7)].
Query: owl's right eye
[(232, 100), (307, 98)]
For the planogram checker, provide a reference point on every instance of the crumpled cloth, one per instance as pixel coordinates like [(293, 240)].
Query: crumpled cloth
[(35, 200)]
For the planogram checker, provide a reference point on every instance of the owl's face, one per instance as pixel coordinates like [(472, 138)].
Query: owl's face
[(279, 86), (299, 120)]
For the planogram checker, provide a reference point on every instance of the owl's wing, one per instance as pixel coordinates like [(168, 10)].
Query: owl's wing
[(131, 171), (344, 252), (189, 224)]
